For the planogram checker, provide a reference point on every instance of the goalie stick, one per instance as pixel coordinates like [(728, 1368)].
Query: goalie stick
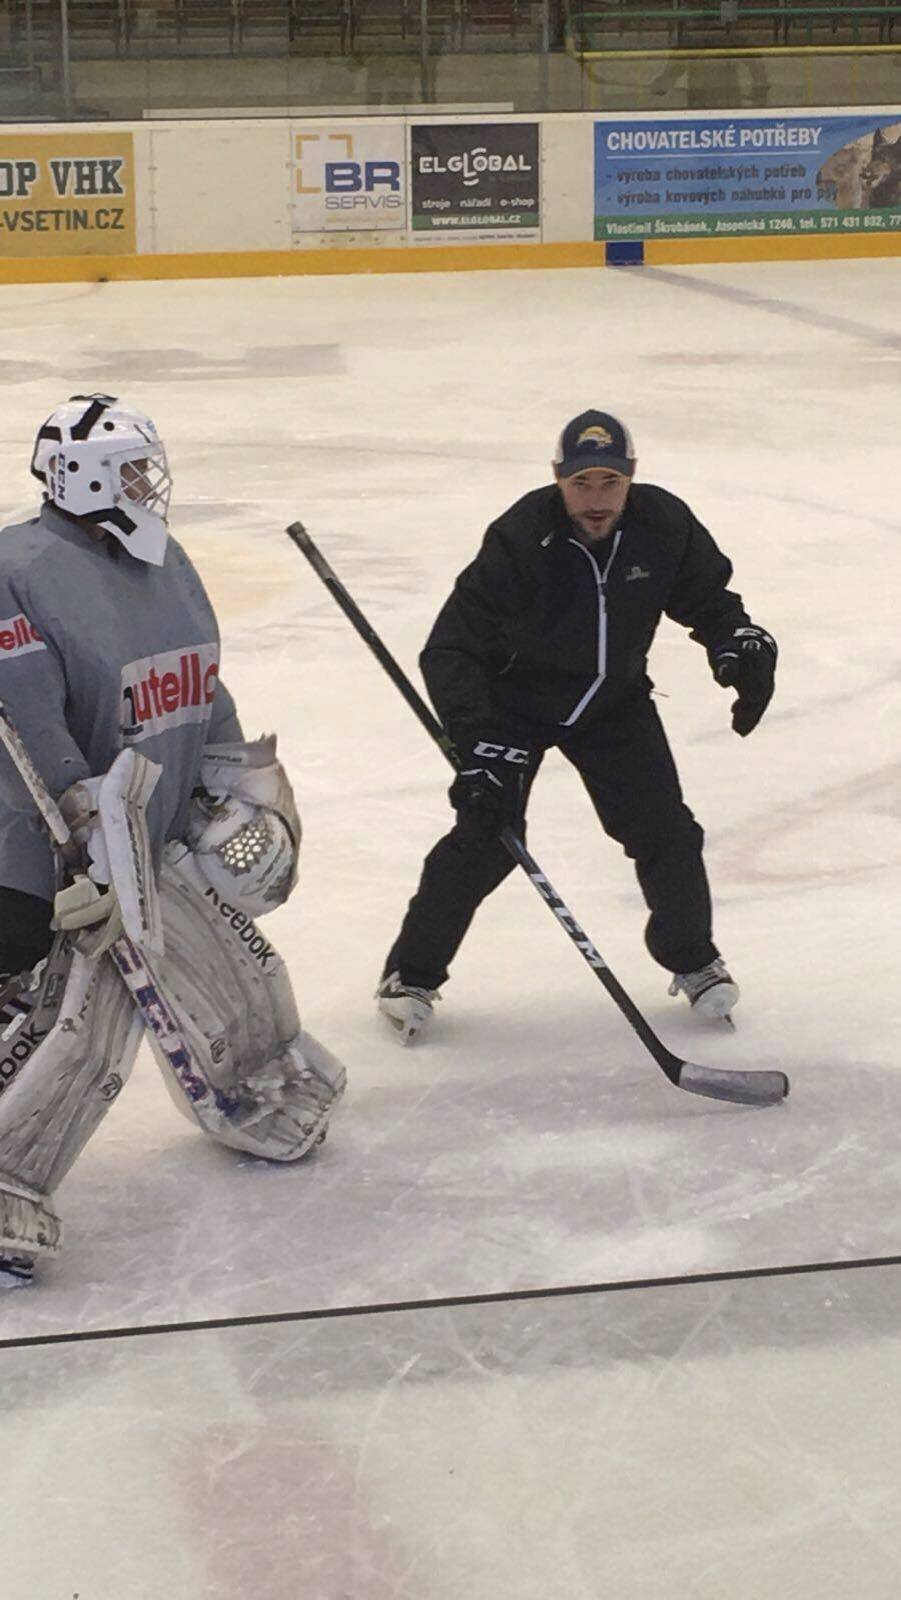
[(756, 1088), (126, 954)]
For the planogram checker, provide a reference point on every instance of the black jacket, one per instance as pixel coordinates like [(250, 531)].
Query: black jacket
[(542, 630)]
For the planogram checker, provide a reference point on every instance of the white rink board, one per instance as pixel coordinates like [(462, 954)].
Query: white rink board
[(220, 186)]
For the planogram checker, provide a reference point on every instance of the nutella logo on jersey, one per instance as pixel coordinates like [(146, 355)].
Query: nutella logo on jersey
[(164, 691), (18, 637)]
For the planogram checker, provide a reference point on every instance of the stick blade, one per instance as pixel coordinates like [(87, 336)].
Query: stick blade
[(739, 1088)]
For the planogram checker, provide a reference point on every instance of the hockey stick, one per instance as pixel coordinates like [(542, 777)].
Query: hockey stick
[(758, 1088), (127, 956)]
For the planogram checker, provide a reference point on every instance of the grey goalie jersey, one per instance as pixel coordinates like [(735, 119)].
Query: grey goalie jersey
[(99, 652)]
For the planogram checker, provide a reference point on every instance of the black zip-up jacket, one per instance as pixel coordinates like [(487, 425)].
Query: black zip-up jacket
[(543, 630)]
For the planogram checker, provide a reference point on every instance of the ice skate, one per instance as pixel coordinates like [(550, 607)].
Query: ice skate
[(711, 991), (16, 1271), (28, 1228), (407, 1007)]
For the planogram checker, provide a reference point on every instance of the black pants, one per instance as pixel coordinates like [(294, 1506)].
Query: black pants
[(626, 765), (25, 935)]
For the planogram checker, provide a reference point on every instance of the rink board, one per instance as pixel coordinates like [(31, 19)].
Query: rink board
[(476, 258), (286, 196)]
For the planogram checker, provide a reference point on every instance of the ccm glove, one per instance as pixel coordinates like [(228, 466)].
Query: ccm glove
[(747, 662), (488, 793)]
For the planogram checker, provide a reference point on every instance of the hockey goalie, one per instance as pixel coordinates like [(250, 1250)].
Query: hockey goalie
[(140, 837)]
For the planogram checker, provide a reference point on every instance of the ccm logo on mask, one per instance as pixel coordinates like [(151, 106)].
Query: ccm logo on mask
[(164, 691)]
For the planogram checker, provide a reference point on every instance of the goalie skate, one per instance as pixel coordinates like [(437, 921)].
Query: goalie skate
[(16, 1271), (28, 1228)]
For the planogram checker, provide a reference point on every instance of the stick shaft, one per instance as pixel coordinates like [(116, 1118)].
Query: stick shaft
[(34, 783), (126, 955)]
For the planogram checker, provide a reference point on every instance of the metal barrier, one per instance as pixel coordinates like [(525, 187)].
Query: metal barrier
[(729, 17), (593, 63), (328, 26)]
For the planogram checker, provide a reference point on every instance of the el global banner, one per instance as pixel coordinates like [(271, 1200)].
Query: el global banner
[(483, 178)]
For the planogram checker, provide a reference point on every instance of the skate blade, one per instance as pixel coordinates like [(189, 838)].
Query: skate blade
[(15, 1274), (404, 1032), (715, 1007)]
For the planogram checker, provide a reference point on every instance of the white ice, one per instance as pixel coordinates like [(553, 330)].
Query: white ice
[(703, 1442)]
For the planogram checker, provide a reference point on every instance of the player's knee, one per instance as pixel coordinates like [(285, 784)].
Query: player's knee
[(680, 836)]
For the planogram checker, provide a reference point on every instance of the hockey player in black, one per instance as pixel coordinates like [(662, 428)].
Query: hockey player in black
[(544, 642)]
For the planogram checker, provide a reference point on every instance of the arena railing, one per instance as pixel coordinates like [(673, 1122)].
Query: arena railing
[(90, 59)]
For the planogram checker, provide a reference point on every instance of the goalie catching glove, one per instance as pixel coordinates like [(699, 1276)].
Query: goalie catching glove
[(244, 830)]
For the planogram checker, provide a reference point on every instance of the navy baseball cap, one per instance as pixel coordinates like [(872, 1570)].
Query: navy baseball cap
[(594, 439)]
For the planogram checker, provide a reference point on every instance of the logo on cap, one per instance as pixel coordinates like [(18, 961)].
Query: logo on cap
[(596, 435)]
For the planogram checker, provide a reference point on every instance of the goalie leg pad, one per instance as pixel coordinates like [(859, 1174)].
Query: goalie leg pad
[(28, 1228), (274, 1087), (66, 1061)]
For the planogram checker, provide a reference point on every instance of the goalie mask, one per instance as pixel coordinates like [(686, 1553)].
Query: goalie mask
[(100, 459)]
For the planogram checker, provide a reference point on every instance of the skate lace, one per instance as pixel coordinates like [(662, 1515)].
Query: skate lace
[(693, 982), (427, 996), (395, 990)]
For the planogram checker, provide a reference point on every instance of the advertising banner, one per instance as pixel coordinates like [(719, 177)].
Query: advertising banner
[(67, 194), (348, 176), (716, 176), (478, 177)]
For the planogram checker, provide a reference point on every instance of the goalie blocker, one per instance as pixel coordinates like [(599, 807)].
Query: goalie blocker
[(212, 994)]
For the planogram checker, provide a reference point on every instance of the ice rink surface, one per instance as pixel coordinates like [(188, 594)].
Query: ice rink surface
[(718, 1439)]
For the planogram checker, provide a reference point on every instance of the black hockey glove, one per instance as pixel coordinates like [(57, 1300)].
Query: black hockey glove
[(747, 662), (489, 791)]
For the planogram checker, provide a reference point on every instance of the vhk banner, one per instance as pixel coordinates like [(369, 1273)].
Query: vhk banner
[(348, 176), (67, 194), (480, 177), (666, 178)]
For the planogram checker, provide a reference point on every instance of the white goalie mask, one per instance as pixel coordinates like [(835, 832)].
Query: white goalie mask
[(100, 459)]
